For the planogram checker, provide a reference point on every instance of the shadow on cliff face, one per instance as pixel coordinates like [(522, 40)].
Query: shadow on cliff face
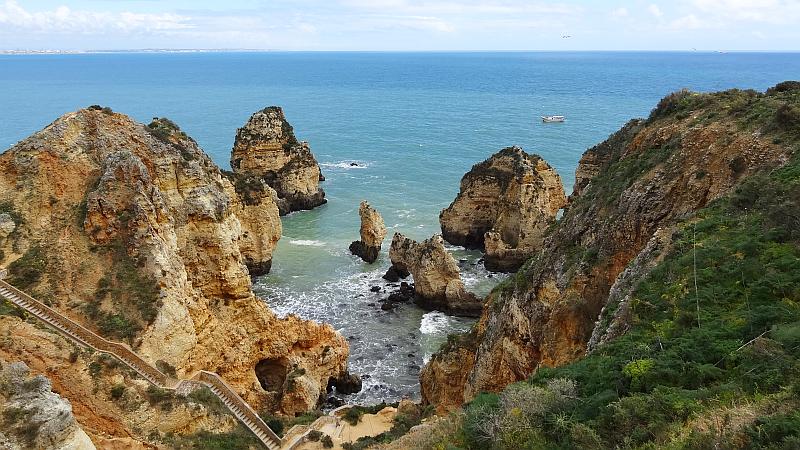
[(271, 373)]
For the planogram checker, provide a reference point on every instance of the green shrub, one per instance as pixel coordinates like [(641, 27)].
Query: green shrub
[(9, 309), (238, 439), (314, 435), (353, 415), (274, 423), (160, 397), (166, 368), (206, 397), (95, 368), (117, 391), (327, 442), (118, 326), (28, 269), (306, 418), (780, 432)]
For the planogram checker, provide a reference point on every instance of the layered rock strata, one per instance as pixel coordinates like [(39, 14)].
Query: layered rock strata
[(646, 177), (373, 232), (504, 207), (437, 281), (134, 232), (266, 150)]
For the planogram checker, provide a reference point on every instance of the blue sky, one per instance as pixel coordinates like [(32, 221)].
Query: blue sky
[(401, 24)]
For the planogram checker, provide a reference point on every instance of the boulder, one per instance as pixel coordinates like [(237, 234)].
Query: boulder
[(7, 225), (373, 231), (395, 274), (267, 149), (347, 383), (437, 281), (504, 207)]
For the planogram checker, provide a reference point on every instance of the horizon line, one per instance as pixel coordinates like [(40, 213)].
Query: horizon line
[(252, 50)]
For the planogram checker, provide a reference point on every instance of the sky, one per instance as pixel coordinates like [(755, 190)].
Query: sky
[(401, 25)]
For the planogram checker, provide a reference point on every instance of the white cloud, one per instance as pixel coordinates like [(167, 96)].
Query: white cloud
[(767, 11), (689, 22), (620, 12), (655, 10), (461, 7), (64, 19)]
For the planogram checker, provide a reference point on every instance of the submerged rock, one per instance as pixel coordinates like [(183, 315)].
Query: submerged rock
[(437, 281), (267, 149), (373, 231), (504, 206)]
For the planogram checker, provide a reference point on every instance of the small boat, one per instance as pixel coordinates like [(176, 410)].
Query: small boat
[(550, 119)]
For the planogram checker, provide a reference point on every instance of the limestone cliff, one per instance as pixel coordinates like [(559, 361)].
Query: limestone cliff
[(133, 231), (113, 406), (504, 207), (34, 416), (437, 281), (373, 232), (693, 149), (267, 150)]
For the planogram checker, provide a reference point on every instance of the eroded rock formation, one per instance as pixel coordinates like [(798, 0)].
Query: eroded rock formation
[(133, 231), (437, 281), (373, 231), (110, 403), (504, 207), (34, 416), (644, 178), (267, 150)]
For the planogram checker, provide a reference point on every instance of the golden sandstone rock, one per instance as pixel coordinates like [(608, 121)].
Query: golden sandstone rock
[(134, 232), (504, 206)]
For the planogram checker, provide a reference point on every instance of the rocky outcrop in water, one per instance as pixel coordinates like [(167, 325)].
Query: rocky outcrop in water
[(373, 231), (267, 150), (33, 416), (504, 207), (134, 232), (651, 174), (437, 281)]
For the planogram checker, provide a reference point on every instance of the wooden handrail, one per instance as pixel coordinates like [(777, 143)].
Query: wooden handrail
[(83, 336)]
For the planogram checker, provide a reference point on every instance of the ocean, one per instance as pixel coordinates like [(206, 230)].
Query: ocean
[(413, 123)]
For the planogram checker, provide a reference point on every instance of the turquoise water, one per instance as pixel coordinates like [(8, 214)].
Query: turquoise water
[(414, 122)]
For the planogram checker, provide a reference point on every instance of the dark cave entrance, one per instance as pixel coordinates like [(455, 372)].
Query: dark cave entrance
[(271, 373)]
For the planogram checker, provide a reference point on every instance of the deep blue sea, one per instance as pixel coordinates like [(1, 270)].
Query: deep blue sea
[(414, 123)]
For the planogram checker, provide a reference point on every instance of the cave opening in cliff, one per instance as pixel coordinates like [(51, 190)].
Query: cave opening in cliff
[(271, 373)]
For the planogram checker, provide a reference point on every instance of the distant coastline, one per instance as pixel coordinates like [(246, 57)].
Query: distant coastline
[(143, 50), (275, 50)]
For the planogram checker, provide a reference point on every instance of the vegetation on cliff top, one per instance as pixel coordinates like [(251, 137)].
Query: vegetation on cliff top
[(712, 356)]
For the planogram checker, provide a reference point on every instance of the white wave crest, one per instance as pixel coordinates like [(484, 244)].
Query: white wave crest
[(307, 242), (346, 165), (434, 322)]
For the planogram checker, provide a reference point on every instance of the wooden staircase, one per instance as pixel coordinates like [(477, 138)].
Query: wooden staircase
[(83, 336)]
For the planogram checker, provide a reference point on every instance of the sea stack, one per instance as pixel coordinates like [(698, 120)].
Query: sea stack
[(267, 150), (504, 206), (373, 231), (437, 281)]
